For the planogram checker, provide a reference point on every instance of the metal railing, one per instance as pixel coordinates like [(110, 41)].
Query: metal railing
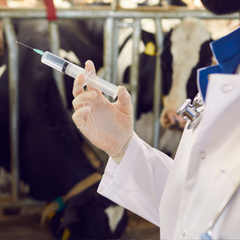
[(113, 16)]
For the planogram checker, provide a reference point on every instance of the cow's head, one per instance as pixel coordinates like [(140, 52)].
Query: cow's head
[(186, 48), (89, 215)]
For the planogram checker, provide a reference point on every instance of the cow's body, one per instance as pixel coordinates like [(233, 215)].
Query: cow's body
[(42, 117), (50, 148)]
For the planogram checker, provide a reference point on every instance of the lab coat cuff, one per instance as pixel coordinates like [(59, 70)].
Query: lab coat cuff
[(116, 175)]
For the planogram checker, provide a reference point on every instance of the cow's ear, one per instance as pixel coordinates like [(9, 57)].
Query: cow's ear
[(221, 7)]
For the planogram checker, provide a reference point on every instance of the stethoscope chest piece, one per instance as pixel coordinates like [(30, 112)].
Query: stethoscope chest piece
[(191, 112), (205, 236)]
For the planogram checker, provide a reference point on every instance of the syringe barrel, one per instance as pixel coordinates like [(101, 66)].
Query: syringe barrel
[(53, 61), (73, 70), (92, 80)]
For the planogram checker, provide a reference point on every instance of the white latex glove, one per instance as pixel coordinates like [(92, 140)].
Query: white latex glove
[(109, 126)]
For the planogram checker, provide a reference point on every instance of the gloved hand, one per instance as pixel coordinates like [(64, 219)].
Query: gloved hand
[(109, 126)]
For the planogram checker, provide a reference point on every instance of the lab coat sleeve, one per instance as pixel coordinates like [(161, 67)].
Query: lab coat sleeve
[(138, 182)]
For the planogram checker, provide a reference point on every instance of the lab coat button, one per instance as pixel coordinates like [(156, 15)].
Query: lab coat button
[(202, 155), (226, 88), (183, 232)]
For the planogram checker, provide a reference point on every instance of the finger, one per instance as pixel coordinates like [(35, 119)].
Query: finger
[(79, 116), (89, 66), (124, 100), (90, 88), (83, 98), (78, 85)]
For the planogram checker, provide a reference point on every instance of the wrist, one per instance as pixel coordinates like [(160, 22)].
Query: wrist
[(117, 157)]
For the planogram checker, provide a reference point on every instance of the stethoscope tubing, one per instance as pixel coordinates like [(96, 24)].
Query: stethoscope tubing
[(208, 234)]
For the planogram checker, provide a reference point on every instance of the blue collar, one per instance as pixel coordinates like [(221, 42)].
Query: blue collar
[(226, 50)]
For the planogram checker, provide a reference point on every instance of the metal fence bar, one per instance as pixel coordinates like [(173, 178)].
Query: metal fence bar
[(54, 47), (135, 64), (22, 202), (157, 84), (115, 51), (114, 4), (83, 12), (108, 46), (13, 104)]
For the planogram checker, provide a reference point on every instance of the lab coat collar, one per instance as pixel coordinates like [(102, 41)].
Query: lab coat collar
[(226, 50)]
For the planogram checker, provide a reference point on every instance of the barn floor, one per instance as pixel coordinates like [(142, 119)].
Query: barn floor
[(25, 225)]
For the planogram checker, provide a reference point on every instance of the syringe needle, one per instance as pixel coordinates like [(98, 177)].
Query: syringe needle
[(24, 45), (34, 49)]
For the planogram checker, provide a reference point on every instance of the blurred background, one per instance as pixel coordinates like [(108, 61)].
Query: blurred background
[(49, 172)]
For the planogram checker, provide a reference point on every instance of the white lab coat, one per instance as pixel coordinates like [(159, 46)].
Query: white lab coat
[(183, 195)]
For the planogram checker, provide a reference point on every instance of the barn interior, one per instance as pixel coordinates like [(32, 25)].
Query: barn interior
[(131, 43)]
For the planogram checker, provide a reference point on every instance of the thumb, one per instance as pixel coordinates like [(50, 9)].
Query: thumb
[(124, 100)]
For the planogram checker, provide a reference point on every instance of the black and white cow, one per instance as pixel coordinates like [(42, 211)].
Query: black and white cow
[(185, 49), (51, 157)]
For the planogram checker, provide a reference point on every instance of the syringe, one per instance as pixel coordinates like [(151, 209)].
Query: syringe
[(73, 70)]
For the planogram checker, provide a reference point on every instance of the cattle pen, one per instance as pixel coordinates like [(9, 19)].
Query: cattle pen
[(113, 16)]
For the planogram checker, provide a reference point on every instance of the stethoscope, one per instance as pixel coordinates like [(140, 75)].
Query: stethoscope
[(192, 113)]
